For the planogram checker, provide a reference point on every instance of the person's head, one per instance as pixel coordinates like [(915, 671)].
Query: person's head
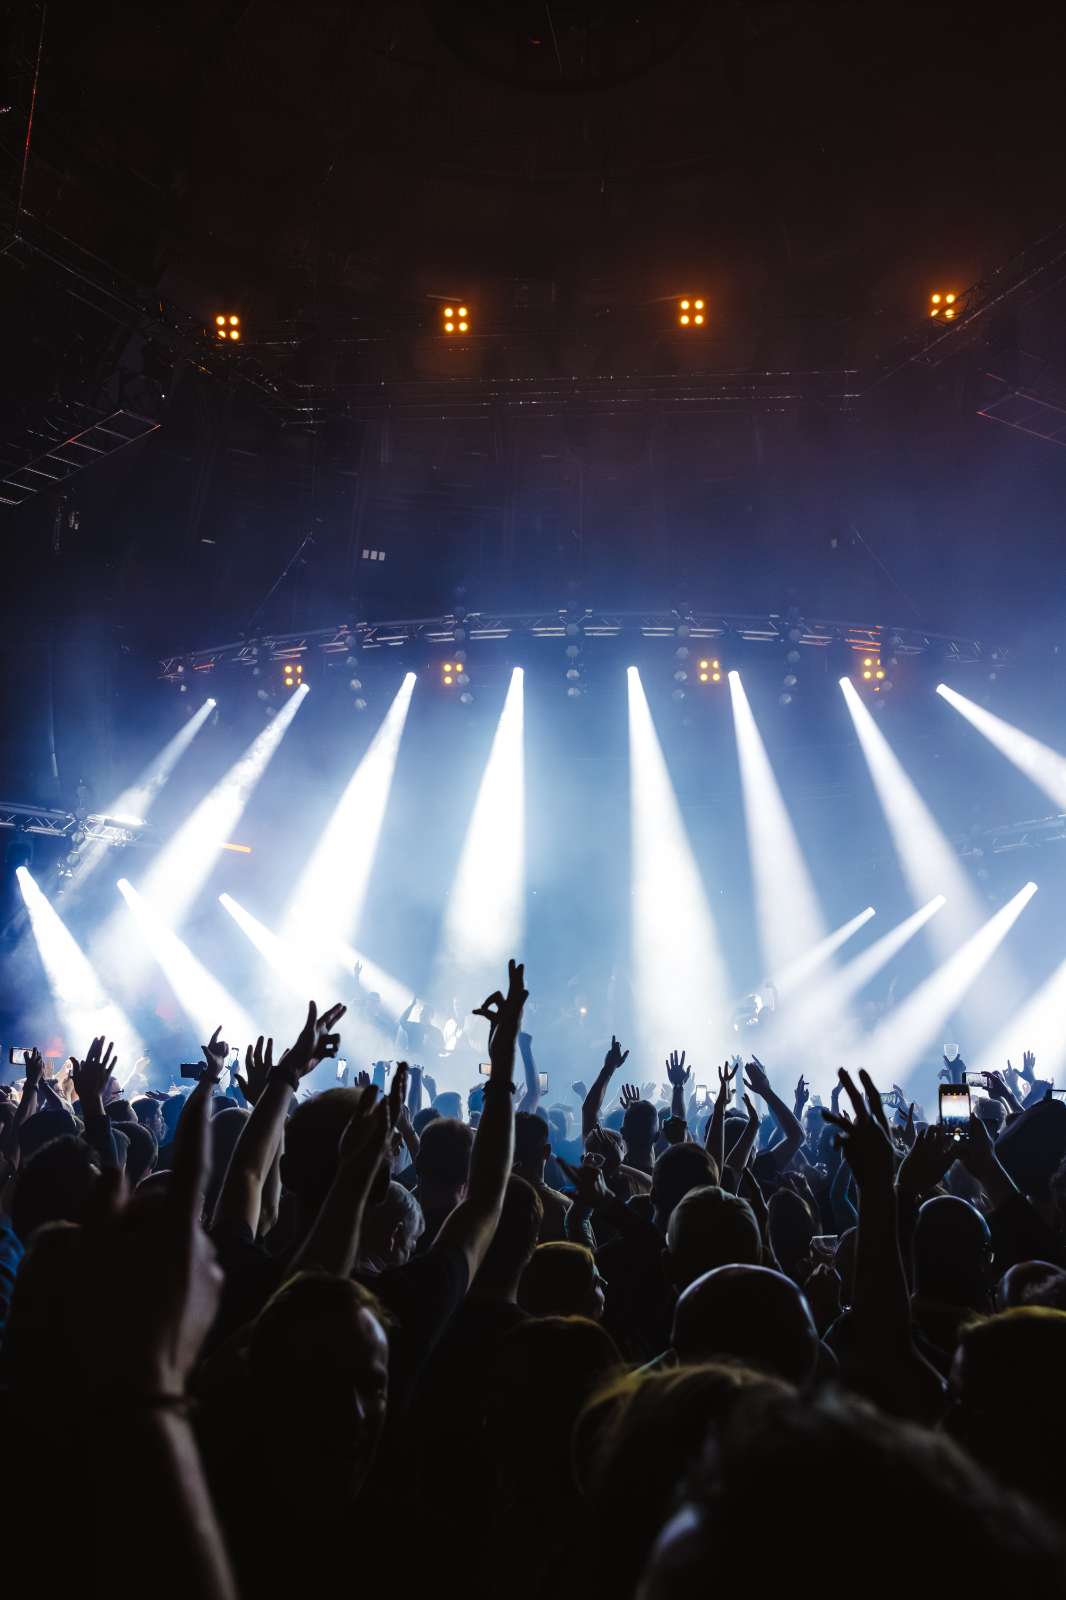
[(443, 1162), (709, 1228), (559, 1124), (141, 1154), (1032, 1283), (780, 1450), (54, 1185), (637, 1439), (748, 1314), (953, 1253), (543, 1373), (562, 1280), (677, 1170), (1007, 1404), (312, 1138), (224, 1129), (149, 1114), (993, 1113), (422, 1119), (450, 1104), (391, 1229), (790, 1229), (318, 1353), (171, 1108), (640, 1126), (513, 1242), (39, 1336), (532, 1145)]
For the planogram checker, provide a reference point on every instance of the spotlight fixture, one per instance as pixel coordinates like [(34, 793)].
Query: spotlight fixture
[(455, 319), (448, 673), (228, 326), (292, 675), (710, 669), (874, 674), (943, 305), (691, 312)]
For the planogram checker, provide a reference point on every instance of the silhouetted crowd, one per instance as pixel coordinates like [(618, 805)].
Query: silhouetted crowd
[(273, 1341)]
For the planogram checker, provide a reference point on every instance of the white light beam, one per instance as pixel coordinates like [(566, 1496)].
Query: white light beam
[(1040, 763), (204, 1000), (680, 984), (84, 1006), (796, 975), (896, 1045)]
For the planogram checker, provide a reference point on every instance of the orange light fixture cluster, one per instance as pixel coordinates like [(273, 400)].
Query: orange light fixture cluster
[(710, 670), (691, 312), (873, 672), (228, 325), (943, 305), (293, 674), (455, 319), (448, 673)]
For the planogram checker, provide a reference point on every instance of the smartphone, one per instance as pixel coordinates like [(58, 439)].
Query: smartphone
[(702, 1094), (192, 1069), (342, 1067), (954, 1106), (951, 1052), (485, 1069), (824, 1246), (543, 1079), (17, 1055)]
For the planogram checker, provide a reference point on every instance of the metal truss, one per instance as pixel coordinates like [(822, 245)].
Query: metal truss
[(474, 626), (54, 824), (1031, 835), (70, 452)]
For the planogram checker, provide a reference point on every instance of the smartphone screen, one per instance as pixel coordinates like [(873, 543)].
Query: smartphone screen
[(543, 1079), (17, 1056), (342, 1067), (702, 1096), (954, 1105), (485, 1069)]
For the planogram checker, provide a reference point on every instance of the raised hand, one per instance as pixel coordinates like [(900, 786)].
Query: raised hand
[(753, 1115), (34, 1068), (362, 1079), (1028, 1065), (676, 1071), (397, 1097), (865, 1141), (803, 1094), (726, 1074), (615, 1057), (756, 1078), (364, 1140), (91, 1076), (579, 1090), (587, 1179), (216, 1054), (504, 1016), (317, 1040), (630, 1095), (648, 1092), (258, 1064), (926, 1162)]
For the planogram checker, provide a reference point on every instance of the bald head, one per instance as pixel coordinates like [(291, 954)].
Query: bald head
[(749, 1314)]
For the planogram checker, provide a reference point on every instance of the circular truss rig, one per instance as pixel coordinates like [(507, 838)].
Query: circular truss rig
[(459, 627)]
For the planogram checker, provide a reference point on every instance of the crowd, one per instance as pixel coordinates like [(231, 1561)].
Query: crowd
[(273, 1342)]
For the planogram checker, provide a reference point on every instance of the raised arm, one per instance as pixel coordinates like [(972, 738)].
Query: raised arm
[(91, 1078), (531, 1099), (26, 1107), (473, 1222), (677, 1075), (716, 1126), (789, 1124), (739, 1152), (593, 1102), (333, 1242), (270, 1086)]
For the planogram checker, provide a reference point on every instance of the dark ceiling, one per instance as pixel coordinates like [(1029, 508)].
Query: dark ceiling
[(333, 170)]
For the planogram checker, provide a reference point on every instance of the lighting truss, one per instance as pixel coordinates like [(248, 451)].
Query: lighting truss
[(54, 824), (449, 630)]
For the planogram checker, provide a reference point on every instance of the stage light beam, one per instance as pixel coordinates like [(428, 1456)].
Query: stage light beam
[(85, 1008), (329, 897), (1039, 762), (186, 861), (789, 917), (894, 1048), (134, 803), (484, 915), (799, 971), (200, 995), (681, 988)]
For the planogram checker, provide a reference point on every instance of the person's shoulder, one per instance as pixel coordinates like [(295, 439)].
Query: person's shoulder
[(551, 1197)]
